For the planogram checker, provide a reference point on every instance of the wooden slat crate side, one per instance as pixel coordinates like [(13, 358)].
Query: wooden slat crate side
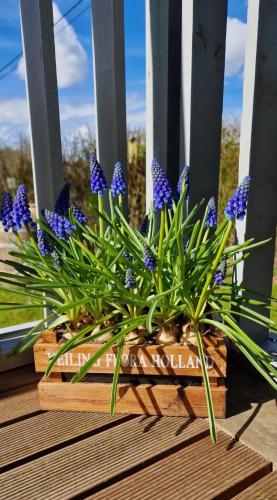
[(166, 400), (143, 360)]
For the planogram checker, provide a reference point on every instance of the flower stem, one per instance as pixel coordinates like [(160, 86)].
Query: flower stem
[(101, 222), (214, 265), (160, 248)]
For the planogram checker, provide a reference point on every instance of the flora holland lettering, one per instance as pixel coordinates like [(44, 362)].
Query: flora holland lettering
[(108, 360)]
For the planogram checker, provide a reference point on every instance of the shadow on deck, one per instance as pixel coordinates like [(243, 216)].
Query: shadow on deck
[(47, 455)]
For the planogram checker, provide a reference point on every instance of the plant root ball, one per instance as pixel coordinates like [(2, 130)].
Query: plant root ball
[(137, 336), (102, 339), (167, 335), (188, 336)]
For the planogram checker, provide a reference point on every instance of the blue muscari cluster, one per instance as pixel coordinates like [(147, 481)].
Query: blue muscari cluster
[(44, 243), (61, 226), (118, 185), (211, 218), (98, 182), (144, 226), (184, 177), (57, 258), (21, 208), (130, 280), (6, 213), (237, 205), (220, 273), (78, 214), (162, 192), (62, 201), (149, 258)]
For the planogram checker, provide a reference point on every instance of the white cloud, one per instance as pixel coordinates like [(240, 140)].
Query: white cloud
[(71, 57), (14, 111), (235, 46)]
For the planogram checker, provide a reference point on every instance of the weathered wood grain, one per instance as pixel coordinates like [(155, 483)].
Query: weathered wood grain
[(42, 93), (258, 151), (203, 56), (17, 405), (104, 457), (265, 489), (152, 359), (45, 432), (170, 400), (109, 83), (202, 471)]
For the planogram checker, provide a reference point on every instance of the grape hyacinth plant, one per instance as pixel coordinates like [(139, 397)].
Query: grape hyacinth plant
[(6, 213), (109, 279)]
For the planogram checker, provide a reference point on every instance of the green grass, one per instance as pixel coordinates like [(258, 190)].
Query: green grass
[(8, 318)]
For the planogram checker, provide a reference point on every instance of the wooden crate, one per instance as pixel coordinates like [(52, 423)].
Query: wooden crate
[(163, 362)]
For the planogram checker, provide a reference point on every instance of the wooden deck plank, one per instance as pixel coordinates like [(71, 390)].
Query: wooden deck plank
[(94, 461), (46, 432), (16, 405), (21, 377), (265, 489), (201, 471)]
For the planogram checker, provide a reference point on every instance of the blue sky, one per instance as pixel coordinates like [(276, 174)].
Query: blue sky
[(74, 67)]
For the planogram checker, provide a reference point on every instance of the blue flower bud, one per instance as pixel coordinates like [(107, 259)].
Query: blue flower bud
[(78, 214), (130, 280), (220, 273), (21, 208), (128, 257), (61, 226), (145, 226), (44, 243), (6, 212), (184, 178), (162, 192), (149, 259), (118, 185), (98, 182), (62, 201), (211, 218), (237, 205)]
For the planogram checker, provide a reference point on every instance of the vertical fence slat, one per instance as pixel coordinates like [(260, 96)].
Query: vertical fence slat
[(109, 83), (203, 57), (163, 73), (258, 149), (41, 84)]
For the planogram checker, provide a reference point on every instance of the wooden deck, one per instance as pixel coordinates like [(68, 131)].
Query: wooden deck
[(56, 455)]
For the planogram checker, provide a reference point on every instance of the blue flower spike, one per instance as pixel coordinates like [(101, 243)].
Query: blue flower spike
[(44, 244), (237, 205), (61, 226), (130, 280), (6, 212), (162, 192), (78, 214), (149, 259), (21, 208), (118, 185), (98, 182), (62, 201), (220, 273), (211, 218), (184, 178)]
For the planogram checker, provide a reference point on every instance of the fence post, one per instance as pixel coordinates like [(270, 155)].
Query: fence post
[(203, 57), (258, 150), (163, 74), (109, 83), (42, 93)]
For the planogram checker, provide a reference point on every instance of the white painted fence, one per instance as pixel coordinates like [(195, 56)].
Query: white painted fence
[(185, 52)]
